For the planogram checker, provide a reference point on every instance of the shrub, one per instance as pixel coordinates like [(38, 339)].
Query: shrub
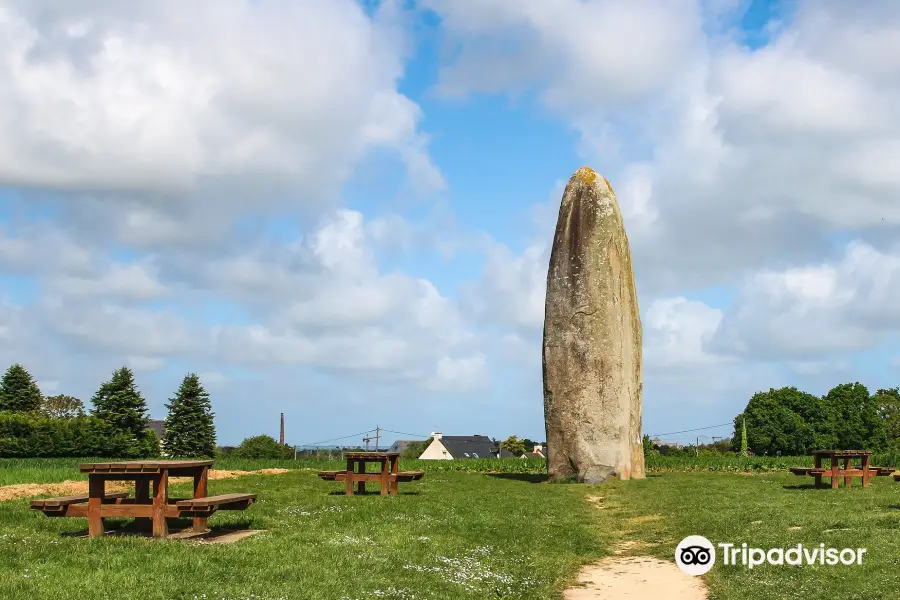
[(262, 446), (24, 435)]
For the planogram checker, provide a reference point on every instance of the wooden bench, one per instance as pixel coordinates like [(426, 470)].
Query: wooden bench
[(210, 504), (801, 470), (406, 476), (58, 507), (402, 477)]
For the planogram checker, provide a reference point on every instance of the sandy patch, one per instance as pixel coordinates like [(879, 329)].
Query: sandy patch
[(78, 488), (629, 545), (644, 519), (636, 578)]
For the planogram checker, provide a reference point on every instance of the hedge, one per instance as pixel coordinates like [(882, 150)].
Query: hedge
[(26, 435)]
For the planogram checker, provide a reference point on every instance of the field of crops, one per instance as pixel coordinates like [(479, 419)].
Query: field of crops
[(51, 470), (745, 464)]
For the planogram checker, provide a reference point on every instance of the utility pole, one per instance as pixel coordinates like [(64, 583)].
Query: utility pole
[(282, 429), (377, 436)]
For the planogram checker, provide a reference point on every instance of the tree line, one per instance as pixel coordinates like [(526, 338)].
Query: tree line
[(32, 424), (793, 423)]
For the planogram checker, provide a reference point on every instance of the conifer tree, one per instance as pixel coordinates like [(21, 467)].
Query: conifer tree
[(19, 392), (744, 436), (189, 425), (120, 404)]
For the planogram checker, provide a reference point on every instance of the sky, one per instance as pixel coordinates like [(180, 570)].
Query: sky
[(343, 210)]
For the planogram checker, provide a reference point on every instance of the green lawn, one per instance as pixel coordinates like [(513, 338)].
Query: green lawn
[(452, 535), (764, 511), (458, 535)]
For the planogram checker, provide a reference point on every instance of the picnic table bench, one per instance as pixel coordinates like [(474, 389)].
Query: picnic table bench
[(848, 472), (146, 510), (389, 476)]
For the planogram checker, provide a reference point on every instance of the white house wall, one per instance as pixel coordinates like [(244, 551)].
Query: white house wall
[(436, 451)]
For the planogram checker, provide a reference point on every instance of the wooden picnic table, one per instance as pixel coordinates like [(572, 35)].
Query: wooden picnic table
[(388, 474), (146, 508), (864, 470)]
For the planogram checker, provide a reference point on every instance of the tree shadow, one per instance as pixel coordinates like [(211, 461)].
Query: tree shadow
[(526, 477), (806, 486)]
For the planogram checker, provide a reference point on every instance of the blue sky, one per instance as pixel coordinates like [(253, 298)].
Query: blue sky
[(347, 218)]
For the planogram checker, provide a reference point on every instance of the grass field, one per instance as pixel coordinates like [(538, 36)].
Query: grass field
[(458, 535), (452, 535), (776, 510)]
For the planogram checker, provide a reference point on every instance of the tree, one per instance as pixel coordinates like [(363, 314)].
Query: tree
[(261, 446), (18, 391), (119, 403), (888, 402), (855, 418), (513, 445), (785, 420), (414, 450), (744, 437), (62, 407), (189, 425)]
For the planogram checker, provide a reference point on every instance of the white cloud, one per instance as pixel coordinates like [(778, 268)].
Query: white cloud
[(145, 363), (676, 330), (813, 311), (164, 125), (755, 156)]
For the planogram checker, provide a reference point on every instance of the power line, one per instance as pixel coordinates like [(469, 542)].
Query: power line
[(409, 434), (659, 435), (337, 439)]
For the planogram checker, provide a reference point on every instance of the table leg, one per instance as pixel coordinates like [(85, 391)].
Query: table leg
[(160, 499), (96, 491), (395, 485), (201, 480), (361, 484), (351, 466), (834, 472), (385, 471), (848, 481), (142, 496), (865, 466), (818, 463)]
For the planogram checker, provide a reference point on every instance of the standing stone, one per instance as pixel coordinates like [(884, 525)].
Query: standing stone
[(592, 340)]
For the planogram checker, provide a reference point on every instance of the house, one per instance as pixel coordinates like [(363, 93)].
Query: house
[(453, 447), (539, 452), (400, 445), (158, 427), (657, 442)]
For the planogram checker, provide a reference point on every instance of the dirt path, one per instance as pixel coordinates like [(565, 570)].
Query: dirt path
[(624, 577), (636, 578), (77, 488)]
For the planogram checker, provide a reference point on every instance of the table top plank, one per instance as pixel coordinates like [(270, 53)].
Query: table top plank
[(370, 455), (844, 453), (139, 467)]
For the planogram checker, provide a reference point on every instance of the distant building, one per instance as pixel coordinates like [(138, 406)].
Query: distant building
[(401, 445), (538, 452), (455, 447), (669, 444), (158, 427)]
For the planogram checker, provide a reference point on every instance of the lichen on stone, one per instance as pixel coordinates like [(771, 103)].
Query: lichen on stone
[(587, 175)]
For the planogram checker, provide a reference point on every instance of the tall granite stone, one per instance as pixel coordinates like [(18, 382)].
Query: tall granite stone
[(592, 340)]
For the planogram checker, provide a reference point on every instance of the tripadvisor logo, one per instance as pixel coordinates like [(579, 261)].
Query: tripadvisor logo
[(695, 555)]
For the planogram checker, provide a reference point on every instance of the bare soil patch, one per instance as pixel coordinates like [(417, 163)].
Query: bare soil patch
[(77, 488), (636, 578)]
